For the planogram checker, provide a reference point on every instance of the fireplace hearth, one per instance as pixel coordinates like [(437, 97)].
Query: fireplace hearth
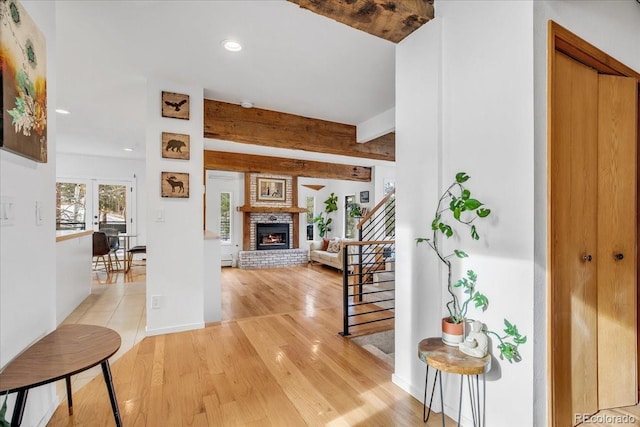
[(272, 236)]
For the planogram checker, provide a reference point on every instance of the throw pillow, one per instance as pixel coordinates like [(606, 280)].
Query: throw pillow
[(325, 244), (334, 246)]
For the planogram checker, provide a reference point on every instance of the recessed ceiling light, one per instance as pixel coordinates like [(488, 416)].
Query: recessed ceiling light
[(128, 149), (246, 104), (232, 45), (61, 111)]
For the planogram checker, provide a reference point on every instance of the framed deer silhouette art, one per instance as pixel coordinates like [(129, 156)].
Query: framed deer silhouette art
[(175, 185)]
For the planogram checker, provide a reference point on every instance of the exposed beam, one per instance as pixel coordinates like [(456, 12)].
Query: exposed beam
[(387, 19), (238, 162), (256, 126)]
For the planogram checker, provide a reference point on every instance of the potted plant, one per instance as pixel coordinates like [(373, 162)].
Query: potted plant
[(457, 206), (354, 210), (323, 220)]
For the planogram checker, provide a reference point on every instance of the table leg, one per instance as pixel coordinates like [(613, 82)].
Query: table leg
[(18, 408), (460, 401), (475, 404), (425, 415), (69, 398), (106, 371), (441, 399), (126, 260)]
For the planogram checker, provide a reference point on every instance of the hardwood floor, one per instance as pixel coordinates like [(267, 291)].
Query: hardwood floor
[(275, 360), (279, 362)]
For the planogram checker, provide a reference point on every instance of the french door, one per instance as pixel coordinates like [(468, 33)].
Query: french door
[(111, 205), (92, 204)]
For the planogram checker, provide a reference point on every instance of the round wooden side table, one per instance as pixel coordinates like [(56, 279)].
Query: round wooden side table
[(449, 359)]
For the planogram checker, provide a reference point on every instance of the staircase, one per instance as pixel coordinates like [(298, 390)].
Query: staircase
[(369, 269)]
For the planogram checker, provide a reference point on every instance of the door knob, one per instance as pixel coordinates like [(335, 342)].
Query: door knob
[(587, 258), (618, 257)]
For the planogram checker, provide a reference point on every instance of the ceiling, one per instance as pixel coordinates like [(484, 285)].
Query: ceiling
[(292, 61)]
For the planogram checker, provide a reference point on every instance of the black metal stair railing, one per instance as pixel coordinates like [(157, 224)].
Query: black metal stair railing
[(368, 281)]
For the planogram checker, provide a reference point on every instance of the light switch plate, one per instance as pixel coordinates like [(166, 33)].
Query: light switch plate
[(39, 214), (7, 211)]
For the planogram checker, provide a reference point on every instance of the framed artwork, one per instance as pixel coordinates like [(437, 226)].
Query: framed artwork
[(364, 197), (175, 184), (272, 189), (175, 146), (23, 128), (175, 105)]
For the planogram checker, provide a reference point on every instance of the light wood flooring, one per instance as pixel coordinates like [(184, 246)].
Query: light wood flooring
[(279, 362), (275, 360)]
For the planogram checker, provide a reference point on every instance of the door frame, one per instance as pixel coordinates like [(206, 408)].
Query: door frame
[(562, 40)]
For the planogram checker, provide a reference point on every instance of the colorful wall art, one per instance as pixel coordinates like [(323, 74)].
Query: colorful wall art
[(24, 83)]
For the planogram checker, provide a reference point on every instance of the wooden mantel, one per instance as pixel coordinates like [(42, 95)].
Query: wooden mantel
[(270, 209)]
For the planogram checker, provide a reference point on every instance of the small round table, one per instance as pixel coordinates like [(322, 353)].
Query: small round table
[(444, 358)]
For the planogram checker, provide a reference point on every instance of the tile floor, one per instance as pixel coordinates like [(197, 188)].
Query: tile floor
[(119, 306)]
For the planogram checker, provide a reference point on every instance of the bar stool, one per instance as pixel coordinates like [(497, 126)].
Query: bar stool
[(141, 249)]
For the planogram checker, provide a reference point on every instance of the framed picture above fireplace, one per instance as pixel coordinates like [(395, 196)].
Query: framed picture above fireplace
[(272, 189)]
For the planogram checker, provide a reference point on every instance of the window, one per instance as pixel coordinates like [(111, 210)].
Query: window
[(225, 218), (349, 218), (311, 206), (71, 199)]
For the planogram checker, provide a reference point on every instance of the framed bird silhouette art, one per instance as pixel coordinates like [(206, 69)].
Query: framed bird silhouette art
[(175, 105)]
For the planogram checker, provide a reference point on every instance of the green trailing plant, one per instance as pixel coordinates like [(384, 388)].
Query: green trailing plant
[(458, 208), (323, 220), (509, 342)]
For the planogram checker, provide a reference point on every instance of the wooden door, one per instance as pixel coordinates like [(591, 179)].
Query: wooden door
[(617, 116), (573, 232)]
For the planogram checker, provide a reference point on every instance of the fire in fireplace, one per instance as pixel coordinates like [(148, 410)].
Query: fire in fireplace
[(272, 236)]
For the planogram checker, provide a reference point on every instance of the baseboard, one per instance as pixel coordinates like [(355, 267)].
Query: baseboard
[(173, 329)]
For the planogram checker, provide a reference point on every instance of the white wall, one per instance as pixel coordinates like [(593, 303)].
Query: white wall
[(612, 26), (175, 245), (73, 274), (486, 129), (86, 167), (27, 251), (418, 153)]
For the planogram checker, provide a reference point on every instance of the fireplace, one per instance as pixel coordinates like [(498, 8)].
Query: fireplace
[(272, 236)]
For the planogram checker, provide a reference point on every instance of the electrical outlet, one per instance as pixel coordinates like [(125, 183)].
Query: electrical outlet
[(155, 301)]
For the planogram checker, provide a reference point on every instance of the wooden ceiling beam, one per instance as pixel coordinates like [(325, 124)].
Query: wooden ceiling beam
[(231, 122), (239, 162), (391, 20)]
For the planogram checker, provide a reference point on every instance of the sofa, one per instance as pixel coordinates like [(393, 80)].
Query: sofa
[(330, 256)]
